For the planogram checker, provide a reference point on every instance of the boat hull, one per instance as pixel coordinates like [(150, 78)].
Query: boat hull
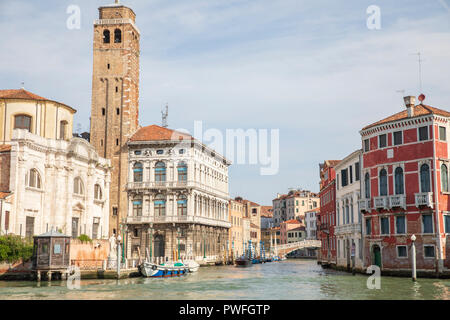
[(151, 270), (243, 263)]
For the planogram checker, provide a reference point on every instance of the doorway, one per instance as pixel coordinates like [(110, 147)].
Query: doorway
[(376, 255), (159, 246)]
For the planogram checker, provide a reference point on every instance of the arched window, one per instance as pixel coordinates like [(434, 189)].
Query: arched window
[(444, 178), (97, 192), (425, 178), (137, 172), (22, 121), (137, 206), (182, 171), (160, 205), (399, 187), (367, 185), (33, 179), (383, 182), (117, 36), (160, 172), (78, 187), (63, 125), (182, 205), (106, 36)]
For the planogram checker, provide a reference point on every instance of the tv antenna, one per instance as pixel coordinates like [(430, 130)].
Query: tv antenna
[(164, 115), (420, 69)]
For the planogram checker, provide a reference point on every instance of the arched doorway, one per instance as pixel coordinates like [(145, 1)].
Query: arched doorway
[(376, 255), (159, 245)]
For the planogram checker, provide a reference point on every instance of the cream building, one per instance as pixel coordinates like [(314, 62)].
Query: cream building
[(55, 181), (294, 205), (177, 197), (348, 216)]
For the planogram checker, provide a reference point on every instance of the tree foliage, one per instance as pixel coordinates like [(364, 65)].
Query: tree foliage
[(84, 238), (14, 248)]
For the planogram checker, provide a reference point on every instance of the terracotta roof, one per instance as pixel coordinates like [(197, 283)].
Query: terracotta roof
[(292, 221), (332, 163), (5, 147), (419, 110), (297, 229), (25, 95), (266, 211), (3, 195), (155, 132), (313, 210)]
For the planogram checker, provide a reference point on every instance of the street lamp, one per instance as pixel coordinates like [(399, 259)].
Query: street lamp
[(413, 257)]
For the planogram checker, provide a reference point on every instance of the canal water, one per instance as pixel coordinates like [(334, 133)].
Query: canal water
[(290, 279)]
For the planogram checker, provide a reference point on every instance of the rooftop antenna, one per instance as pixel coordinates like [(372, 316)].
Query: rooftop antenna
[(164, 115), (420, 70)]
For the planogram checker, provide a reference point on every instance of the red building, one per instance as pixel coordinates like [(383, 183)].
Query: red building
[(405, 190), (326, 218)]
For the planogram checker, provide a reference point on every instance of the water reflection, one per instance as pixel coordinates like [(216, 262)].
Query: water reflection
[(283, 280)]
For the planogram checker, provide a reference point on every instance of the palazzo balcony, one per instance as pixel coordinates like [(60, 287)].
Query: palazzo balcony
[(348, 228), (397, 201), (162, 185), (381, 202), (177, 219), (364, 205), (424, 199)]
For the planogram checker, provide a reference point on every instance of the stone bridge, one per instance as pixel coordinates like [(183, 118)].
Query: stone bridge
[(284, 249)]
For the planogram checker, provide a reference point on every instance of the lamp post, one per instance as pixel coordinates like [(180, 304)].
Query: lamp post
[(413, 257), (119, 238)]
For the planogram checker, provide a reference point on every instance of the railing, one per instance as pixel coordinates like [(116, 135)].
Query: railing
[(175, 184), (396, 201), (424, 199), (380, 202), (300, 245), (348, 228), (178, 219), (115, 21), (364, 205), (88, 264), (323, 226)]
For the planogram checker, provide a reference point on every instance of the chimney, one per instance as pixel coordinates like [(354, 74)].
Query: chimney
[(410, 102)]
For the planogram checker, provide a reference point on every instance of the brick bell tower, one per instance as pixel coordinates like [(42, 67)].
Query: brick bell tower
[(115, 98)]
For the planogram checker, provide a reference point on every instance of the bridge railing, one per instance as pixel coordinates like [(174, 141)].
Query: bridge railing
[(301, 244)]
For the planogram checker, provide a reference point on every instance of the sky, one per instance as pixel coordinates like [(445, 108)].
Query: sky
[(311, 69)]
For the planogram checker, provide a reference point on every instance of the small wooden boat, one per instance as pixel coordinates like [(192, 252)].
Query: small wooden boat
[(153, 270), (243, 262)]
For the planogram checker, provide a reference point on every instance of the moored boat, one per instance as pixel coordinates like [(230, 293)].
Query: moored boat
[(153, 270), (243, 262), (192, 265)]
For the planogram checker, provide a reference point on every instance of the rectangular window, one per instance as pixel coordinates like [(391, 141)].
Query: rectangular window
[(428, 251), (114, 211), (368, 227), (366, 145), (446, 223), (400, 224), (398, 138), (118, 111), (384, 225), (103, 111), (427, 223), (350, 169), (95, 230), (75, 222), (423, 133), (29, 227), (442, 134), (382, 141), (344, 177), (357, 171), (402, 251), (7, 221)]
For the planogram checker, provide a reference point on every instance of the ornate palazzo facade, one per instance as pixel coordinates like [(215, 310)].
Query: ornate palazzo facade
[(177, 198)]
